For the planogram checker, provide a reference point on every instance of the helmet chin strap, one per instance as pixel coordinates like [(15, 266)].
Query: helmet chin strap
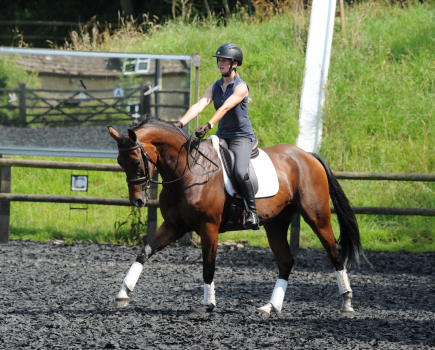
[(231, 69)]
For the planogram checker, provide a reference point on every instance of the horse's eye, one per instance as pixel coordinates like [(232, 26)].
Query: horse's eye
[(136, 164)]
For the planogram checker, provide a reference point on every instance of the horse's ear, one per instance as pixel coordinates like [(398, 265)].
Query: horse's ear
[(132, 135), (113, 133)]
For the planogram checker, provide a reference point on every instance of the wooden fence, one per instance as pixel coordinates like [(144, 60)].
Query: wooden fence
[(61, 107), (6, 197)]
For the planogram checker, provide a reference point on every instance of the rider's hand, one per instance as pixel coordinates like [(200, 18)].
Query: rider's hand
[(202, 130), (178, 124)]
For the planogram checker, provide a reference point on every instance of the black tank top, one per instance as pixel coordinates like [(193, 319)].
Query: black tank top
[(235, 123)]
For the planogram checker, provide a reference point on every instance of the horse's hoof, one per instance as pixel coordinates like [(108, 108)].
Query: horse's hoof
[(265, 310), (121, 302), (348, 314), (201, 312), (198, 313), (263, 313)]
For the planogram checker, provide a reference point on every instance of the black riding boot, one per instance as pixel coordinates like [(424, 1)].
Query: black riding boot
[(251, 222)]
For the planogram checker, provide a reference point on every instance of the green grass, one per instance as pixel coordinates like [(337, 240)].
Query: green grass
[(45, 221), (379, 117)]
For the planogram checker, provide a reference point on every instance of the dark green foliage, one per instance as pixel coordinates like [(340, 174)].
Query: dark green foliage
[(132, 229)]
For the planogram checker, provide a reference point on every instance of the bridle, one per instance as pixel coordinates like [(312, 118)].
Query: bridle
[(147, 180)]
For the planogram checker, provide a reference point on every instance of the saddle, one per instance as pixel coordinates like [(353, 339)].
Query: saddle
[(229, 161)]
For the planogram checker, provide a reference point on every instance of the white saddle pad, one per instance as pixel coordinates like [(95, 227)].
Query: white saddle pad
[(267, 177)]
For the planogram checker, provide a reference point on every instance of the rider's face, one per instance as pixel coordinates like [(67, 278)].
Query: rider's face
[(224, 65)]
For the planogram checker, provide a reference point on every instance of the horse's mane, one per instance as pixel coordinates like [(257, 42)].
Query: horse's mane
[(147, 120), (151, 119)]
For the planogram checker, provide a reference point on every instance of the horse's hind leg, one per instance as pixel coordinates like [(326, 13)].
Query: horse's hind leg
[(321, 225), (277, 236)]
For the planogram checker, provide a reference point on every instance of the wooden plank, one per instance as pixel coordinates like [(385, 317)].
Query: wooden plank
[(114, 167), (48, 198), (9, 90), (391, 211), (180, 91), (383, 176), (28, 163), (5, 208), (160, 105)]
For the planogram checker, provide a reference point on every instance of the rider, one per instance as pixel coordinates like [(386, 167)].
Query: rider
[(230, 96)]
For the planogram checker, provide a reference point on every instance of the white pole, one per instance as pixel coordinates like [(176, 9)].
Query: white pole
[(316, 74)]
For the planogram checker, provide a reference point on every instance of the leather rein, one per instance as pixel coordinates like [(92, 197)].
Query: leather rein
[(147, 180)]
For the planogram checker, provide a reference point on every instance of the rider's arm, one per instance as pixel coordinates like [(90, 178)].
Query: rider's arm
[(199, 106), (238, 95)]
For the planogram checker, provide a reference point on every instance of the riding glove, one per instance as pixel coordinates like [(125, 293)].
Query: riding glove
[(178, 124), (202, 130)]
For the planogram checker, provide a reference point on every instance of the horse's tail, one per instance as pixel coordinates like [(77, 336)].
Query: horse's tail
[(349, 233)]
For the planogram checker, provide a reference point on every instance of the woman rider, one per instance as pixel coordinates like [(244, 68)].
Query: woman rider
[(230, 96)]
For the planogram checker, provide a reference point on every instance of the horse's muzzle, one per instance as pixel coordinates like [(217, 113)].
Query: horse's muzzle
[(139, 202)]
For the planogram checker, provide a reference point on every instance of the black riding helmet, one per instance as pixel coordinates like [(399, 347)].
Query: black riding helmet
[(232, 52)]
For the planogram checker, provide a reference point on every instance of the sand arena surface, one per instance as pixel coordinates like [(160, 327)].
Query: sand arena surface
[(54, 296)]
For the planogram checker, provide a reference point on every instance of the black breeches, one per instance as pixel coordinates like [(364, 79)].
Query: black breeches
[(242, 149)]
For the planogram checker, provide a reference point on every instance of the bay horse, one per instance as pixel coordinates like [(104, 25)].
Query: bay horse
[(193, 201)]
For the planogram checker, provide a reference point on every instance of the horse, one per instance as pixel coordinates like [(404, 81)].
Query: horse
[(197, 201)]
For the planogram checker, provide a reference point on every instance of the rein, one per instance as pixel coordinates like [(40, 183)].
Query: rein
[(146, 157)]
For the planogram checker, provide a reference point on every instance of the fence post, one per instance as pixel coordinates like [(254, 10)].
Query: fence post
[(342, 19), (295, 229), (152, 212), (157, 82), (147, 101), (22, 103), (141, 99), (5, 207), (196, 62)]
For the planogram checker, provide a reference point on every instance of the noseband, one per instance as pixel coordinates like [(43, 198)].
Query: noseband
[(146, 157)]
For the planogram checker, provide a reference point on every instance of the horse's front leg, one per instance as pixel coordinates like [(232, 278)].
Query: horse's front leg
[(209, 242), (165, 235)]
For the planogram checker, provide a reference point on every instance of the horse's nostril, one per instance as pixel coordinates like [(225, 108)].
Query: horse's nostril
[(139, 203)]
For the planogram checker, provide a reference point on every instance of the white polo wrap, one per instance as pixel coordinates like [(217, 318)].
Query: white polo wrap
[(278, 294), (133, 275), (209, 297), (343, 282)]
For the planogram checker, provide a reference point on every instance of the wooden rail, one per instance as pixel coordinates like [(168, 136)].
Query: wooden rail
[(27, 163), (384, 176), (49, 198)]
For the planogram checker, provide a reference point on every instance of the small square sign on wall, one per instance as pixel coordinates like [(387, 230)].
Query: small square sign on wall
[(118, 92)]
